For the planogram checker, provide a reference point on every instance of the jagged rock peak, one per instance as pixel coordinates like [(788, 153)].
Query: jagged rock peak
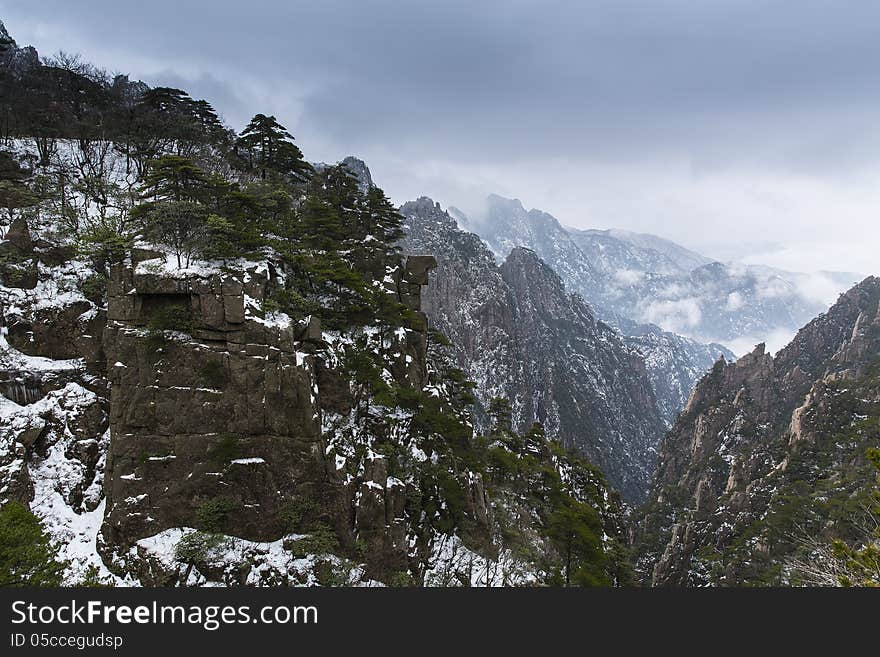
[(525, 260), (508, 209), (865, 296), (426, 208), (425, 204), (522, 254), (495, 199), (14, 58), (357, 167), (826, 334), (360, 170)]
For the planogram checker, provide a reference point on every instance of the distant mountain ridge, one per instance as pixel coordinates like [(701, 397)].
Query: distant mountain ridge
[(650, 280), (681, 258), (675, 362)]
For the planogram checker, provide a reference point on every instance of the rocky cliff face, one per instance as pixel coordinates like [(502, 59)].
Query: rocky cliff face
[(519, 334), (193, 379), (675, 363), (768, 452)]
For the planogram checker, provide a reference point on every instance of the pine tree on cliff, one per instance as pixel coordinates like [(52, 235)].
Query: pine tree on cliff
[(175, 178), (330, 220), (174, 214), (501, 414), (328, 232), (382, 223), (153, 125), (267, 146), (861, 566), (165, 100), (206, 118), (340, 242), (575, 528)]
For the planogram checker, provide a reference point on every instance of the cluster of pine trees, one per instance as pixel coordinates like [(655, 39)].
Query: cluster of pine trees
[(153, 165), (531, 471)]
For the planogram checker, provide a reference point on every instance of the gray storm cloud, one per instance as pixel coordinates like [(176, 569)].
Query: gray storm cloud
[(709, 123)]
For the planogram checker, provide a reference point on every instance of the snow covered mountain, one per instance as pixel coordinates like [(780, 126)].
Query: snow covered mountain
[(586, 261), (684, 259), (649, 280)]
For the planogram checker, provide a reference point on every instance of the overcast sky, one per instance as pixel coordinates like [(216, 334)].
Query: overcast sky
[(745, 128)]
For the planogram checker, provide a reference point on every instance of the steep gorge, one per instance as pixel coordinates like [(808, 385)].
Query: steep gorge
[(519, 334)]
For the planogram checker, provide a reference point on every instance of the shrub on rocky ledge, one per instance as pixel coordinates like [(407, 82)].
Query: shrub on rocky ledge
[(27, 555)]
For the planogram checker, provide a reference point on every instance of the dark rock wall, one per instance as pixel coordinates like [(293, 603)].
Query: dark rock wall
[(217, 423)]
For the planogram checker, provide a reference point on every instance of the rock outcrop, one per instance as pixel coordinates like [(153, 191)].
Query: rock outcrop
[(205, 406), (217, 412), (13, 57)]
